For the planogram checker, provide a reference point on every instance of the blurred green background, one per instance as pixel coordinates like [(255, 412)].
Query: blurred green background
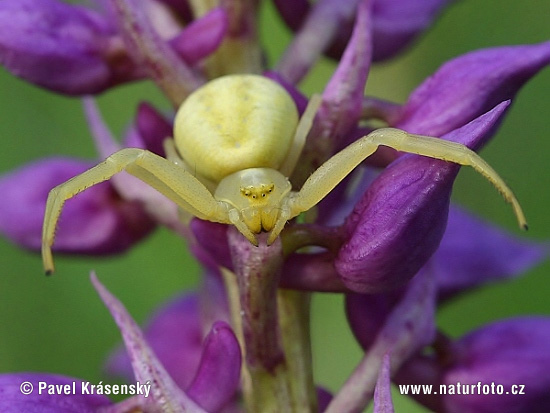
[(59, 325)]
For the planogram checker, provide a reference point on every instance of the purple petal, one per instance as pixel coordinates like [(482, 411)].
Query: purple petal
[(367, 313), (202, 37), (464, 88), (62, 47), (152, 128), (13, 400), (219, 369), (396, 23), (145, 45), (165, 393), (397, 225), (409, 326), (300, 99), (175, 335), (464, 261), (94, 222), (382, 394), (401, 219), (158, 207), (343, 95), (323, 398), (508, 352), (212, 248), (310, 42)]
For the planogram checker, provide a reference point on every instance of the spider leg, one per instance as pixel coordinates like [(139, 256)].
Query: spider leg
[(171, 153), (169, 179), (324, 179), (302, 130)]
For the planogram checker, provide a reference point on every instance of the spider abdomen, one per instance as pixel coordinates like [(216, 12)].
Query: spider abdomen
[(233, 123)]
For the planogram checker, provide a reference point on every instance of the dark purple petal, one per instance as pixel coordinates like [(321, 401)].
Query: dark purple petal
[(469, 85), (219, 369), (473, 252), (397, 225), (151, 129), (62, 47), (164, 392), (508, 352), (396, 23), (293, 12), (202, 37), (13, 400), (399, 222), (181, 7), (175, 335), (382, 394), (97, 221), (367, 313), (212, 248), (343, 95), (323, 398), (299, 98)]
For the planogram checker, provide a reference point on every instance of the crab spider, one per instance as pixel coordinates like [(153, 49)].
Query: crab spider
[(239, 138)]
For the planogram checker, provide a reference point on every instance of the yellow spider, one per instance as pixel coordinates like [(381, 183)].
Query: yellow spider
[(239, 138)]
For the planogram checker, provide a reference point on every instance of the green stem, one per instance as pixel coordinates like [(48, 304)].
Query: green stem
[(294, 313), (267, 387)]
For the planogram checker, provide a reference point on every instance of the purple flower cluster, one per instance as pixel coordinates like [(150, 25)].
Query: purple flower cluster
[(387, 237)]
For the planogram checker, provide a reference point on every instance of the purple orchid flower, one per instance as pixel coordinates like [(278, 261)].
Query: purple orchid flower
[(387, 237), (217, 372), (65, 48), (75, 50), (395, 24), (28, 392), (216, 377), (122, 223), (500, 367), (175, 334)]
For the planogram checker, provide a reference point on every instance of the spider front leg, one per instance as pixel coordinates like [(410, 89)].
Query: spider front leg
[(171, 180), (324, 179), (299, 140)]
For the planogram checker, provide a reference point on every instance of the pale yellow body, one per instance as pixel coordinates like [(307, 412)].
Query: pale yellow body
[(239, 139), (217, 137)]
